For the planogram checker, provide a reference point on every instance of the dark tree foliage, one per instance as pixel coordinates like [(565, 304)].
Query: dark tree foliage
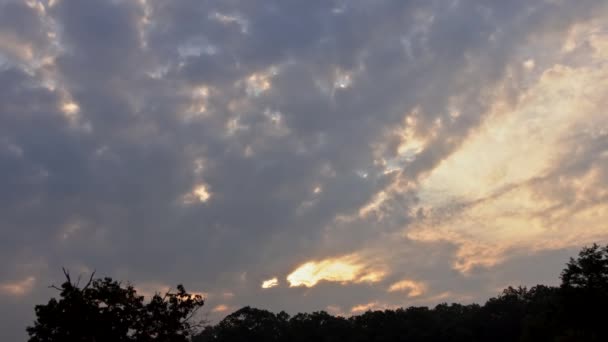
[(585, 295), (574, 311), (105, 311), (589, 270)]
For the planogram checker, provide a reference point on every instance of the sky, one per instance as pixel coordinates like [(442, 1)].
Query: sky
[(299, 155)]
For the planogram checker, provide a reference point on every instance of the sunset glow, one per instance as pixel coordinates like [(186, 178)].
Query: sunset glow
[(266, 284), (341, 270), (302, 156), (412, 288)]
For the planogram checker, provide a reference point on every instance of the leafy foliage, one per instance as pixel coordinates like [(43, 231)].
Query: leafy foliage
[(104, 310), (589, 270)]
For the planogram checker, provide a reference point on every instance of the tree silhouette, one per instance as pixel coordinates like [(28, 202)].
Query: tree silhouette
[(248, 325), (572, 312), (589, 270), (584, 293), (104, 310)]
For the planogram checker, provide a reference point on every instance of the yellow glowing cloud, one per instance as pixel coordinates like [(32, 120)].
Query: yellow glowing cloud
[(311, 273), (371, 306), (504, 190), (364, 307), (270, 283), (371, 277), (413, 288), (517, 144), (200, 194), (70, 108), (18, 288), (258, 82), (346, 269)]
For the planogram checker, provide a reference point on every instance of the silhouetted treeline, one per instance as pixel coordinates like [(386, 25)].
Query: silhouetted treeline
[(575, 311)]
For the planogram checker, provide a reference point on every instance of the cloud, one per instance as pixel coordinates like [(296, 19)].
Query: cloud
[(199, 194), (18, 288), (220, 308), (413, 288), (372, 306), (345, 269), (500, 196), (350, 147), (270, 283)]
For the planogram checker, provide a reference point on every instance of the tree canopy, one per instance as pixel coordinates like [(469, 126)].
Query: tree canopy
[(104, 310)]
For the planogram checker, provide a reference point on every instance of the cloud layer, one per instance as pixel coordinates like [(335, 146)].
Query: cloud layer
[(438, 149)]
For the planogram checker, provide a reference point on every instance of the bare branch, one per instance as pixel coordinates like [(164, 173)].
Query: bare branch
[(90, 281), (55, 287), (67, 275)]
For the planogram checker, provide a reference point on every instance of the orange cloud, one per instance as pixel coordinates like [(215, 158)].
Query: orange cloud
[(220, 308), (18, 288), (370, 307), (346, 269), (413, 288), (507, 190)]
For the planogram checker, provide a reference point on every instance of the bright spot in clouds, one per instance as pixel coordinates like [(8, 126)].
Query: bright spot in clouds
[(199, 194), (70, 108), (412, 288), (259, 82), (266, 284), (347, 269), (342, 79)]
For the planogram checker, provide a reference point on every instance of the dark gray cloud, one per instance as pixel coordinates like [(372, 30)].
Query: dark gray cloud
[(294, 95)]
